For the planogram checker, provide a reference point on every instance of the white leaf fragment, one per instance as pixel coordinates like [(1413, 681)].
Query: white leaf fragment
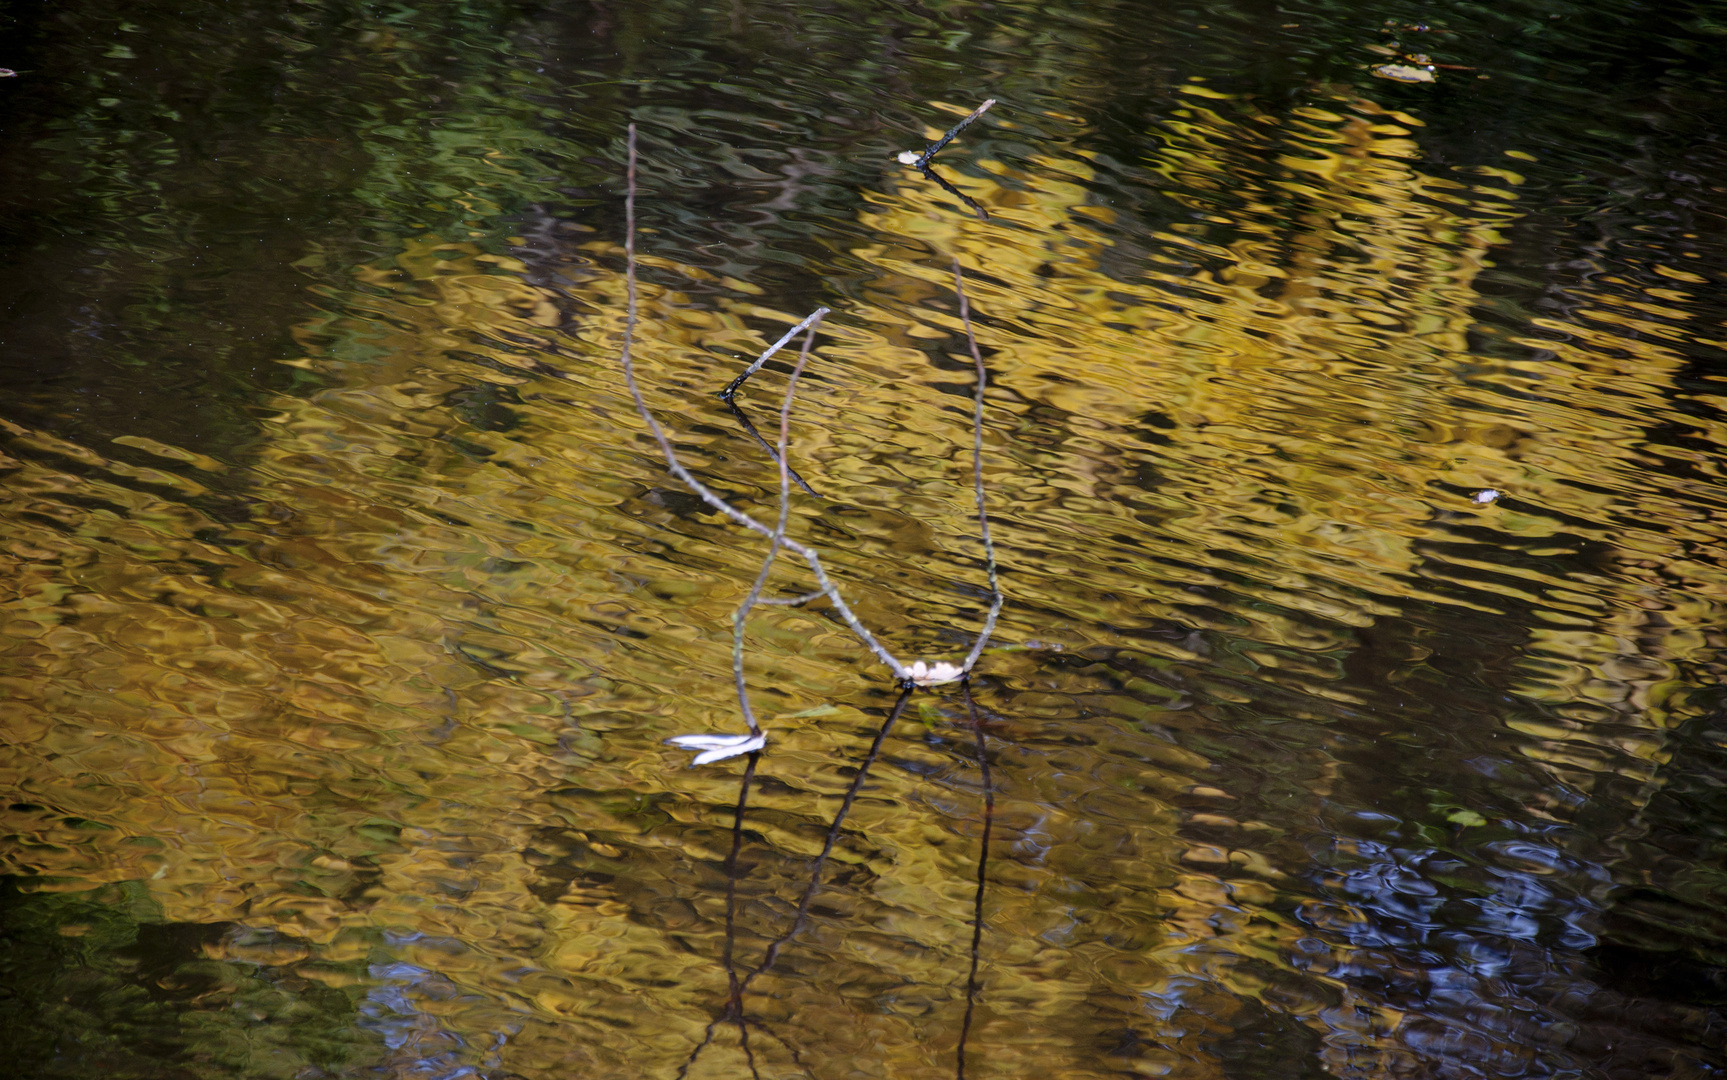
[(718, 747), (929, 674)]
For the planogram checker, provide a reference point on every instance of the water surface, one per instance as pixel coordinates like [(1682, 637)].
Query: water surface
[(347, 603)]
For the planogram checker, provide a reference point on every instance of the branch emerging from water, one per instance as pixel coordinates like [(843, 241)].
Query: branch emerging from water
[(808, 554), (777, 540), (977, 471), (922, 162)]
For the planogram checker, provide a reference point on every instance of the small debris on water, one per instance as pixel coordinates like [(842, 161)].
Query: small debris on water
[(939, 672), (718, 747), (909, 157), (1485, 497), (1403, 73)]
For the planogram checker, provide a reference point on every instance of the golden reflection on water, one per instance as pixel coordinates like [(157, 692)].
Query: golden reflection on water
[(402, 724)]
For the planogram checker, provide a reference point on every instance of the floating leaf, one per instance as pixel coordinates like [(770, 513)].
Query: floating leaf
[(718, 747), (1403, 73)]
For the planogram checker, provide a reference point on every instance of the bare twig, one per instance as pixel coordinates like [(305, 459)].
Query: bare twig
[(923, 160), (777, 540), (732, 387), (808, 554), (977, 474)]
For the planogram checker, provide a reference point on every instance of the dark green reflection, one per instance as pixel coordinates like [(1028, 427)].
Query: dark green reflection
[(96, 984)]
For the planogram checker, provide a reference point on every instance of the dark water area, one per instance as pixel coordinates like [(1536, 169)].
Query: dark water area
[(1353, 450)]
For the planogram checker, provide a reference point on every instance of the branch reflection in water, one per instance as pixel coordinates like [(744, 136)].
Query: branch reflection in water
[(733, 1011)]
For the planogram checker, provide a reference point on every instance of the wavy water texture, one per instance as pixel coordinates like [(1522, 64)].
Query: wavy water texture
[(334, 716)]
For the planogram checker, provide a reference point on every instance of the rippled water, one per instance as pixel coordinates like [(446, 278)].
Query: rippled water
[(1353, 454)]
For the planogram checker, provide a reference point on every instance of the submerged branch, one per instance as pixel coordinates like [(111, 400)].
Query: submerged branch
[(750, 430), (773, 950)]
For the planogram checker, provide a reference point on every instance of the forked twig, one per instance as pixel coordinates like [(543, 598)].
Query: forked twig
[(808, 554), (741, 616)]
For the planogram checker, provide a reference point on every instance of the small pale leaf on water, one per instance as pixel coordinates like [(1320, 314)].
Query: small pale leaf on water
[(1465, 817), (718, 747), (1403, 73)]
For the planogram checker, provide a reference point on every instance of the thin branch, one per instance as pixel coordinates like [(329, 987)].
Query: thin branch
[(977, 473), (808, 554), (733, 386), (923, 160), (741, 616), (971, 983)]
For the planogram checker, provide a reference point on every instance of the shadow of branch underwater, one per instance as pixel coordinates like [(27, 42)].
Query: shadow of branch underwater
[(750, 430), (982, 874), (733, 1011)]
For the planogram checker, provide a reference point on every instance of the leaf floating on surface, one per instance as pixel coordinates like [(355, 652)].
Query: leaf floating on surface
[(718, 747), (1403, 73)]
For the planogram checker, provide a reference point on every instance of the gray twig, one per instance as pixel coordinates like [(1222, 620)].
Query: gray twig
[(977, 472), (777, 540), (808, 554), (733, 386), (923, 159)]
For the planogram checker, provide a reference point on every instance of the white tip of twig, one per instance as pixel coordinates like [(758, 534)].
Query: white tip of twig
[(718, 747), (1485, 497), (908, 157), (929, 674)]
